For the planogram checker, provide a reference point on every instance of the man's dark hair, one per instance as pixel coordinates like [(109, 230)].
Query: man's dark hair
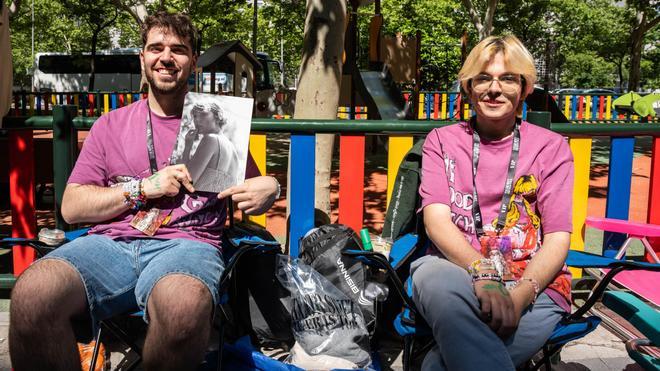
[(177, 23)]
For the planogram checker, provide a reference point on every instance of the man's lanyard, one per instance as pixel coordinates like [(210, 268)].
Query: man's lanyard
[(150, 144), (508, 186)]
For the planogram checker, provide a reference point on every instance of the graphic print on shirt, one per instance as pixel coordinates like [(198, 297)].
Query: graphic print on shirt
[(463, 201), (186, 209), (523, 227)]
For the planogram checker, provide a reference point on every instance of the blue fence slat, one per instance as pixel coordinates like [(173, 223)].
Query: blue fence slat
[(618, 189), (450, 110), (39, 102), (594, 107), (524, 111), (301, 205), (113, 101), (615, 114), (574, 102), (428, 102)]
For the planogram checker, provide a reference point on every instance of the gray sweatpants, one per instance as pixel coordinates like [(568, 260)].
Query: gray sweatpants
[(444, 295)]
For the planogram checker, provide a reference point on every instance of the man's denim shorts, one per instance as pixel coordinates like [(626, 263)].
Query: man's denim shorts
[(119, 275)]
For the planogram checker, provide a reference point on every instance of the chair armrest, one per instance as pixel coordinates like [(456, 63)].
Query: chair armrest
[(581, 259), (379, 260), (38, 246)]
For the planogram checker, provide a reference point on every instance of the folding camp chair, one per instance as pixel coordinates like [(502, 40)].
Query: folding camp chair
[(240, 241), (410, 325)]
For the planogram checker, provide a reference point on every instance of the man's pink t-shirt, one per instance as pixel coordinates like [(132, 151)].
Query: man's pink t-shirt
[(116, 151), (542, 194)]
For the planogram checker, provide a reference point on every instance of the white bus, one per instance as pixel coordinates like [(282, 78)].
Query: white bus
[(116, 70)]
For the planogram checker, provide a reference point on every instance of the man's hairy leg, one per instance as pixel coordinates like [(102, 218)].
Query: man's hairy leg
[(180, 309), (44, 300)]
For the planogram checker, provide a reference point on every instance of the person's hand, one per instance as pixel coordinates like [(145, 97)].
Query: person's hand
[(497, 307), (255, 196), (167, 182)]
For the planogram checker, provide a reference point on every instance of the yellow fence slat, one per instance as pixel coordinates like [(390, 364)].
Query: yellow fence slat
[(31, 103), (258, 152), (608, 107), (581, 148), (466, 111), (106, 103), (587, 111), (399, 145), (567, 106), (420, 108), (443, 105)]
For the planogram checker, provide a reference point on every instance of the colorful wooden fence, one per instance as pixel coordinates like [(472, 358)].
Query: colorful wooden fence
[(587, 107), (438, 105), (352, 170), (89, 104)]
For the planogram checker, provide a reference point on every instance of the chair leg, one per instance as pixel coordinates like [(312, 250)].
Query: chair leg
[(546, 357), (407, 351), (97, 347), (221, 330)]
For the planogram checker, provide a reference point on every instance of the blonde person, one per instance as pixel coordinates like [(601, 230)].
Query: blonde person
[(496, 199)]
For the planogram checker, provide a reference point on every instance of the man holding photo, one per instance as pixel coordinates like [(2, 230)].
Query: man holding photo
[(156, 242)]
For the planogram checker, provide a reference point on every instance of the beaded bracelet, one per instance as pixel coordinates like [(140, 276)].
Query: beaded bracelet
[(134, 196), (487, 276), (535, 285), (479, 265)]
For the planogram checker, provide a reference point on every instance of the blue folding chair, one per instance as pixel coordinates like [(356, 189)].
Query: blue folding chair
[(240, 241), (410, 325)]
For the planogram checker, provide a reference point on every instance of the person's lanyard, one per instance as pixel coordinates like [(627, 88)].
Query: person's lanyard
[(150, 144), (508, 186)]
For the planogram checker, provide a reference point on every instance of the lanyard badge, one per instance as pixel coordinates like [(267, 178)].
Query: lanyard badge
[(148, 221), (496, 247), (499, 250)]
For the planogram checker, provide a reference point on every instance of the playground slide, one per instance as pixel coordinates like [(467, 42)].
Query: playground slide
[(381, 94)]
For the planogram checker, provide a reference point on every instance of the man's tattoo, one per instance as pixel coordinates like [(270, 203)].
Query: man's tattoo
[(496, 287), (155, 179)]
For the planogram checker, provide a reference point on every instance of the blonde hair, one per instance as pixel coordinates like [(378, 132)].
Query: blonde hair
[(517, 59)]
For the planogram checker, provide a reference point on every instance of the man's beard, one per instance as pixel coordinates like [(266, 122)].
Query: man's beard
[(168, 89)]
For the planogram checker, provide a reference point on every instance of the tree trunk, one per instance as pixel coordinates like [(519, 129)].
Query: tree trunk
[(484, 27), (636, 44), (619, 69), (13, 8), (92, 74), (137, 10), (642, 25), (320, 82)]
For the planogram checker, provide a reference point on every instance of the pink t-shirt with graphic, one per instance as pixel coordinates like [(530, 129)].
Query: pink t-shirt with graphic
[(116, 150), (542, 189)]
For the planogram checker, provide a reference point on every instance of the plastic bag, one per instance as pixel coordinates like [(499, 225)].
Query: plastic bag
[(324, 320)]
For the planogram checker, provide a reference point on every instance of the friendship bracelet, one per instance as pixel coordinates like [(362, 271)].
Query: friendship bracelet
[(487, 276), (479, 265)]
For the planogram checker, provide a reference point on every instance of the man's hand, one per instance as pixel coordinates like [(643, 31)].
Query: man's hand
[(497, 307), (167, 182), (255, 196)]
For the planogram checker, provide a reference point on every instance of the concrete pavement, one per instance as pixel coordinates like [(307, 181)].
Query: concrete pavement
[(600, 350)]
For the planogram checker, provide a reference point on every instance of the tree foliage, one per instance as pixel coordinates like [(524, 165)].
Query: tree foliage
[(588, 43)]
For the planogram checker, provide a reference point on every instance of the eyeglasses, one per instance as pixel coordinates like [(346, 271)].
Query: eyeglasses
[(508, 83)]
